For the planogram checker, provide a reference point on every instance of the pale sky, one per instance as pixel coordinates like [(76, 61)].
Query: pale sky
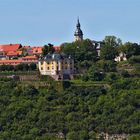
[(38, 22)]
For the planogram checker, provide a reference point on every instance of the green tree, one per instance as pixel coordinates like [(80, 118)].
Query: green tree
[(83, 135), (109, 47), (76, 113), (6, 68), (134, 59), (32, 66), (108, 52), (106, 65), (95, 74), (112, 41), (22, 67), (130, 49), (48, 49), (2, 67), (72, 136), (134, 137), (92, 135), (83, 52)]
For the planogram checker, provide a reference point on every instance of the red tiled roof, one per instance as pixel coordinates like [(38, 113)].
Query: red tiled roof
[(29, 57), (57, 48), (9, 47), (37, 50), (15, 62), (11, 61), (19, 52), (12, 53)]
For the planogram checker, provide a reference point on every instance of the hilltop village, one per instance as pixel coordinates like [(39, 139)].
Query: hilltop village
[(83, 90), (58, 61)]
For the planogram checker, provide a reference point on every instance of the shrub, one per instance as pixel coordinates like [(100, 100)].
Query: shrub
[(134, 59)]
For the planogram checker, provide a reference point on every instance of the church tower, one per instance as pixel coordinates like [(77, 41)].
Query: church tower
[(78, 33)]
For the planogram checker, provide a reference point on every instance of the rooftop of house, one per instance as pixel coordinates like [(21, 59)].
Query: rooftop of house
[(10, 47), (37, 50), (11, 61), (56, 56), (30, 57), (16, 61), (12, 53), (13, 49)]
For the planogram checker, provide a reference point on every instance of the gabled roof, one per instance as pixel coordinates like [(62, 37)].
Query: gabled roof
[(9, 47)]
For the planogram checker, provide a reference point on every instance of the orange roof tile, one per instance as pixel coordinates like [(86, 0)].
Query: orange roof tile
[(12, 53), (19, 52), (11, 61), (10, 47), (29, 57), (16, 62), (37, 50)]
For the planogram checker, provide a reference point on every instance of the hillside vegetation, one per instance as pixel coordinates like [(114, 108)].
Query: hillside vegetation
[(103, 97), (77, 113)]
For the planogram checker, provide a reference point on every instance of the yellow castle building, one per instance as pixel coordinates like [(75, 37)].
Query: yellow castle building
[(59, 66)]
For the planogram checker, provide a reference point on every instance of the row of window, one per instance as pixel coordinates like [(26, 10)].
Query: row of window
[(56, 62), (48, 68)]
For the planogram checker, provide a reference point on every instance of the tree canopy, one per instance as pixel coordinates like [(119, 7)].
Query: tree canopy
[(75, 113), (83, 52), (48, 49)]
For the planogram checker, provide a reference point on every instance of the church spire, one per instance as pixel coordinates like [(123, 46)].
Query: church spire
[(78, 33), (78, 22)]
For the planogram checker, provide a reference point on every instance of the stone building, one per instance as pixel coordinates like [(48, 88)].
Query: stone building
[(58, 66)]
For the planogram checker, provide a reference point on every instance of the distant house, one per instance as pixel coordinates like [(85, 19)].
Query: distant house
[(10, 52), (14, 54), (28, 49), (37, 50), (98, 45), (30, 58), (2, 57), (10, 62), (17, 62), (10, 49), (59, 66), (121, 57)]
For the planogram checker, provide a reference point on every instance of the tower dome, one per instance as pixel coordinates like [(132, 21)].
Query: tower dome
[(78, 33)]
